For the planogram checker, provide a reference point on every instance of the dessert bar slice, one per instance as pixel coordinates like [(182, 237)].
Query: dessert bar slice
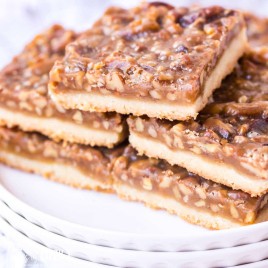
[(195, 199), (154, 59), (24, 100), (76, 165), (228, 142)]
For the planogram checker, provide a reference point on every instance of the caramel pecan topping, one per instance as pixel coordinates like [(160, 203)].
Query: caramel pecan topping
[(154, 50)]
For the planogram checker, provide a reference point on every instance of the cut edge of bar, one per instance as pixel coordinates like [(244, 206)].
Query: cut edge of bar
[(61, 173), (60, 130), (216, 171)]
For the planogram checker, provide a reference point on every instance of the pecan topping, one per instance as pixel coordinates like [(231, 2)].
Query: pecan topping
[(154, 50)]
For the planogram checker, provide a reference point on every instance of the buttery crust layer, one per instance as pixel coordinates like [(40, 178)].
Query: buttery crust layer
[(191, 215), (59, 129), (57, 172), (173, 60), (153, 108)]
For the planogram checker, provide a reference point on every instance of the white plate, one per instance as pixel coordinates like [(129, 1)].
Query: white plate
[(140, 259), (43, 254), (104, 219)]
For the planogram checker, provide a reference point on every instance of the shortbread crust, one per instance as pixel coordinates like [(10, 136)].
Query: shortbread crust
[(65, 130), (54, 171)]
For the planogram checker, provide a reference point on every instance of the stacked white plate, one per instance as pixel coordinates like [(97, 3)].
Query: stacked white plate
[(53, 222)]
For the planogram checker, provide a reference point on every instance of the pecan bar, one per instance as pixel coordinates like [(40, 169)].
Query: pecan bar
[(257, 30), (195, 199), (24, 99), (154, 59), (132, 177), (228, 143), (76, 165)]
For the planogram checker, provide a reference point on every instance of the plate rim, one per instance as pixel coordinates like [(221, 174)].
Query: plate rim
[(34, 231)]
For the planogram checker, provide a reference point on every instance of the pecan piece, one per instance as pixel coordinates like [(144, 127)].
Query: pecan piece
[(259, 126)]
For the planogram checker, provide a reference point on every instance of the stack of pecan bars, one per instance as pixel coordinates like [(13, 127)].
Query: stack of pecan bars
[(183, 83)]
